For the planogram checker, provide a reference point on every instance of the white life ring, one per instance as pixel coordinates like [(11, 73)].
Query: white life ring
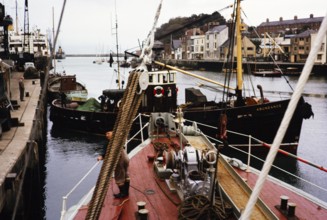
[(158, 91)]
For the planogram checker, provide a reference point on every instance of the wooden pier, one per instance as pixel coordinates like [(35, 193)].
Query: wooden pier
[(20, 148)]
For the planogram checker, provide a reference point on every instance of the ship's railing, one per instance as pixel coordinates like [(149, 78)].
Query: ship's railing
[(65, 198), (70, 215), (254, 142), (142, 127)]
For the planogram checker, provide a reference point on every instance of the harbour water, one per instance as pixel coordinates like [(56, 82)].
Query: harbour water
[(69, 155)]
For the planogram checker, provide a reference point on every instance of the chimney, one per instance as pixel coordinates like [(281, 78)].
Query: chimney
[(281, 19), (311, 15), (295, 17), (267, 20)]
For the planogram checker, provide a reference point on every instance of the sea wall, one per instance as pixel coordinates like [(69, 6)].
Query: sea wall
[(22, 150), (213, 65)]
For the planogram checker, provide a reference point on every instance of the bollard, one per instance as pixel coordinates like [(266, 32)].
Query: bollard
[(141, 205), (283, 202), (143, 213), (291, 209)]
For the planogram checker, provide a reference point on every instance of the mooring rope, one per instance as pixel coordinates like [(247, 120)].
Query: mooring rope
[(130, 104)]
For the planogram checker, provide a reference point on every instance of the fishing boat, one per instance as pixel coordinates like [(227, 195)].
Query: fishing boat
[(179, 173), (256, 116), (93, 117), (67, 84)]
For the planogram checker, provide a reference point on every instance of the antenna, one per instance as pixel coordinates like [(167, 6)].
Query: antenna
[(26, 28)]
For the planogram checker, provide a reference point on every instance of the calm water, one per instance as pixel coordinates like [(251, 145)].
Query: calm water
[(70, 155)]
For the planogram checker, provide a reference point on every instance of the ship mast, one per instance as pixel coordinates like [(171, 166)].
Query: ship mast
[(117, 49), (26, 42), (17, 30), (239, 53)]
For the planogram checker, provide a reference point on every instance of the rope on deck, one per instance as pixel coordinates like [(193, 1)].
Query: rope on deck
[(199, 207)]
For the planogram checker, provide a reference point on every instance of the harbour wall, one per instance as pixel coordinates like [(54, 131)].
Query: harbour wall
[(248, 66), (22, 150)]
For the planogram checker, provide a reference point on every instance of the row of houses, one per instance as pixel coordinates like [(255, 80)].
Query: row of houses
[(287, 46)]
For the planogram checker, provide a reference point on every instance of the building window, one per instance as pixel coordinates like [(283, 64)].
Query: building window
[(322, 47), (319, 57)]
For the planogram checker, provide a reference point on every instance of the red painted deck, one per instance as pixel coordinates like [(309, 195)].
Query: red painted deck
[(162, 204), (271, 192)]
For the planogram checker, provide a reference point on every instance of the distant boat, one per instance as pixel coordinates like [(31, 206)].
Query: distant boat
[(60, 54), (292, 71), (268, 73), (58, 83)]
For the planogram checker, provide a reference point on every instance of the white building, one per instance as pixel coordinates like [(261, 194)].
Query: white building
[(321, 56), (214, 39), (197, 46)]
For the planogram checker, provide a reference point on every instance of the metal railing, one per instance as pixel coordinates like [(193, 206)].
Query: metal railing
[(263, 144)]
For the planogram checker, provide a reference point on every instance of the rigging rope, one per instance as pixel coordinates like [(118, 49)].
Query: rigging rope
[(130, 102), (124, 120)]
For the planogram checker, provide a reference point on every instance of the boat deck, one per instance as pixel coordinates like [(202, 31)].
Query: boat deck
[(271, 192), (160, 202)]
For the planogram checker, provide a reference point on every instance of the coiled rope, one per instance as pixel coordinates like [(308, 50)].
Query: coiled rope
[(199, 207), (130, 102)]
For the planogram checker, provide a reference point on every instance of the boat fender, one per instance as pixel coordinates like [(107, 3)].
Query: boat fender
[(158, 91), (223, 127), (211, 157), (237, 163)]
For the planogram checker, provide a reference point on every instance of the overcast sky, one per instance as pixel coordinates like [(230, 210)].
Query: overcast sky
[(88, 25)]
